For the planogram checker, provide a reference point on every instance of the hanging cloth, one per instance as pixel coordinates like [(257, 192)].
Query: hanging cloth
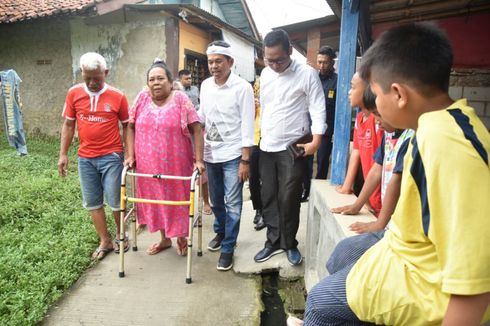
[(12, 118)]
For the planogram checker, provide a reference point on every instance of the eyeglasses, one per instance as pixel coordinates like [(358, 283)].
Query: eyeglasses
[(278, 62)]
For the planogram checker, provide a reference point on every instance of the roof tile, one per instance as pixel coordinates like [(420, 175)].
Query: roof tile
[(12, 11)]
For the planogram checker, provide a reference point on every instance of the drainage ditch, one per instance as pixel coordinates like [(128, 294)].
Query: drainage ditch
[(281, 298)]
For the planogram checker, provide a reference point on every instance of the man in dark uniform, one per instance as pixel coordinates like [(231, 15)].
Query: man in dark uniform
[(325, 62)]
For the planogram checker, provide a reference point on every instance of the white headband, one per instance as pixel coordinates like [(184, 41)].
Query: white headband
[(216, 49)]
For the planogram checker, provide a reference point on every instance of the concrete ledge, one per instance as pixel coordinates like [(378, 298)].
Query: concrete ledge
[(325, 229)]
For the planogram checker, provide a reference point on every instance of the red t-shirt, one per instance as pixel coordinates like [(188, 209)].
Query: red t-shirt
[(97, 116), (367, 138)]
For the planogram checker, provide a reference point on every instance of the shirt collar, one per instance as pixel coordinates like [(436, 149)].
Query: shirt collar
[(229, 82), (327, 76), (293, 66), (89, 92)]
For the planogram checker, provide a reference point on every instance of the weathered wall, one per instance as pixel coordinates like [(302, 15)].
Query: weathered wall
[(468, 35), (43, 87), (129, 49)]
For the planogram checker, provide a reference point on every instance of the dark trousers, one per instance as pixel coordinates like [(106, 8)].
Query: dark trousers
[(307, 176), (254, 181), (282, 180), (323, 156)]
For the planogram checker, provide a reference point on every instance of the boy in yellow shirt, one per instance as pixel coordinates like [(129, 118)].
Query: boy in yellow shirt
[(432, 266)]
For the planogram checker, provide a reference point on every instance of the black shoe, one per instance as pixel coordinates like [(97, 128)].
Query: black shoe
[(260, 224), (258, 216), (225, 261), (215, 244), (266, 253), (294, 256)]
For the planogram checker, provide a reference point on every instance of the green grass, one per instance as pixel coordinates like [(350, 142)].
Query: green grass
[(46, 237)]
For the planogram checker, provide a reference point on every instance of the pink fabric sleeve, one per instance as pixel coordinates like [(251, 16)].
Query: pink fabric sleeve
[(140, 100), (188, 112)]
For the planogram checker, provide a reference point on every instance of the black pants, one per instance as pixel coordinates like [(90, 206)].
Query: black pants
[(323, 156), (282, 180), (307, 176), (254, 181)]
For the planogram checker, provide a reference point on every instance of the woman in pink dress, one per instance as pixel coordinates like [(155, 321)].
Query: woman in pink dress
[(162, 121)]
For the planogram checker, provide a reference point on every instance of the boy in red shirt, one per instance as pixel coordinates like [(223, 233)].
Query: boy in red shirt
[(96, 109), (367, 138)]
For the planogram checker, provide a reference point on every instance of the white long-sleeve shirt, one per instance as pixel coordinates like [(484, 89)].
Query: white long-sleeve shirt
[(287, 99), (227, 112)]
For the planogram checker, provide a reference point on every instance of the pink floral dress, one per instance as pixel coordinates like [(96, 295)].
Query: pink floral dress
[(163, 146)]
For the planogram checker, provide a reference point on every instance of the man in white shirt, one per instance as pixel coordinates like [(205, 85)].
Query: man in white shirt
[(227, 111), (290, 92)]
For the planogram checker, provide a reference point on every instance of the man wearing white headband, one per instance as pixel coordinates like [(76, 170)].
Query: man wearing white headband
[(227, 111)]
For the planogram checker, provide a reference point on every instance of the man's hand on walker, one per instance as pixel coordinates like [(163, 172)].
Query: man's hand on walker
[(200, 166), (129, 162)]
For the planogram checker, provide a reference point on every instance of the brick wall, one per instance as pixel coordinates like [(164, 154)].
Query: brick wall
[(475, 87), (478, 98)]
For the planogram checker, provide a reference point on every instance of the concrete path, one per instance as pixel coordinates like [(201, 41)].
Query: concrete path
[(154, 290)]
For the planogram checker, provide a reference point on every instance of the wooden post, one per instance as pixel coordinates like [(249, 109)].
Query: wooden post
[(312, 45), (343, 111)]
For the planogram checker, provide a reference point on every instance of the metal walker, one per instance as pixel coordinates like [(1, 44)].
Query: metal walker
[(132, 213)]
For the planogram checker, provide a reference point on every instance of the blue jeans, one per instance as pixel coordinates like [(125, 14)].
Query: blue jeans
[(101, 177), (225, 192)]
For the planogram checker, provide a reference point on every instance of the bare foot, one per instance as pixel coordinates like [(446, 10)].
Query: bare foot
[(207, 209), (181, 246), (293, 321), (159, 246), (140, 228)]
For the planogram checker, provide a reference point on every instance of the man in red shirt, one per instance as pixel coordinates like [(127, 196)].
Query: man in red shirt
[(96, 109)]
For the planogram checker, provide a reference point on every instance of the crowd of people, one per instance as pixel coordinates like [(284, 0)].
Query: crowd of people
[(423, 261)]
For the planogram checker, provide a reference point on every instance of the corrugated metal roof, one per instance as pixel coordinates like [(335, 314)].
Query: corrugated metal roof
[(403, 11), (234, 14), (198, 13)]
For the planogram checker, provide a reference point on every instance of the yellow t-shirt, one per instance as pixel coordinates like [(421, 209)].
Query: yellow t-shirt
[(439, 240)]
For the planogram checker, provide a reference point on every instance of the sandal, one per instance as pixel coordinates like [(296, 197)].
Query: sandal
[(117, 242), (101, 252), (158, 247)]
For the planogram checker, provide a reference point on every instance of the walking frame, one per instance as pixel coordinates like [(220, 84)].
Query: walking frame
[(132, 213)]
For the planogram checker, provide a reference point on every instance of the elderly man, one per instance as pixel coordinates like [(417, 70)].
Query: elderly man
[(96, 109), (227, 111), (290, 96)]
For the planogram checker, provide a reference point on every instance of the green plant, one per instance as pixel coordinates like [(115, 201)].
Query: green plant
[(46, 237)]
